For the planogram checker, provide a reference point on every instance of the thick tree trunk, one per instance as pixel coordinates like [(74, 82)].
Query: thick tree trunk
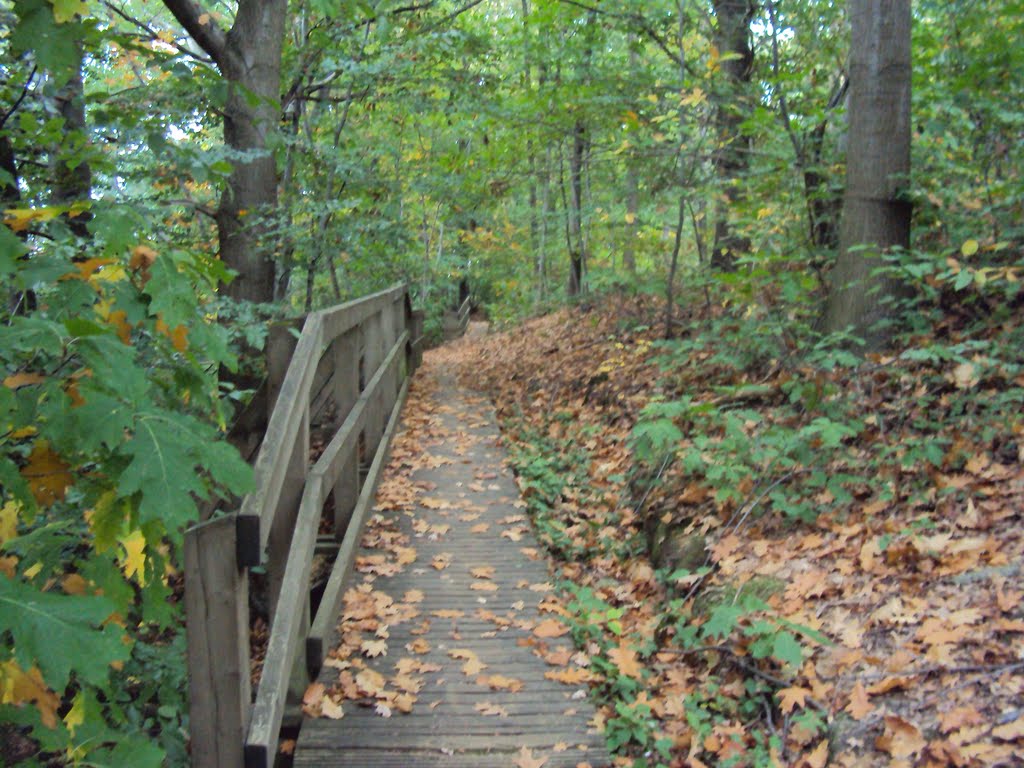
[(249, 58), (253, 71), (876, 213), (732, 36)]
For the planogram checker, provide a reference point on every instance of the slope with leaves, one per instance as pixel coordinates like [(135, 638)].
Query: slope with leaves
[(834, 546)]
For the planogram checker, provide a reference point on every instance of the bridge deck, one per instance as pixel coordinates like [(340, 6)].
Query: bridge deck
[(461, 635)]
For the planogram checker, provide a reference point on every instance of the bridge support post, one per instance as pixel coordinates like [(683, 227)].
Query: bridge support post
[(345, 351), (217, 628)]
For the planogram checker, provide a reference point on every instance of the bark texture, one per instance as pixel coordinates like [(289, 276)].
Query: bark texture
[(732, 159), (249, 58), (876, 213)]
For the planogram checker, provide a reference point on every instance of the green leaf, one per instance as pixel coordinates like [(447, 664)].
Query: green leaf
[(722, 622), (787, 649), (59, 633), (162, 469), (11, 249)]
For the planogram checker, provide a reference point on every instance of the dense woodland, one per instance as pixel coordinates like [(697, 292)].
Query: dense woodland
[(789, 234)]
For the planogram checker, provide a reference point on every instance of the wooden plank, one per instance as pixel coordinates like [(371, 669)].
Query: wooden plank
[(258, 507), (345, 353), (342, 445), (330, 603), (289, 499), (343, 317), (217, 630), (268, 709)]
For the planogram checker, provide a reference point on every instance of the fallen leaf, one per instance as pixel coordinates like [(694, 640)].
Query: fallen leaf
[(860, 705), (790, 698), (332, 709), (901, 739), (487, 709), (550, 628), (501, 683), (526, 759)]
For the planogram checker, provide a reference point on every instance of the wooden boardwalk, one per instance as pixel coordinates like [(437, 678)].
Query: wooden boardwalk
[(458, 636)]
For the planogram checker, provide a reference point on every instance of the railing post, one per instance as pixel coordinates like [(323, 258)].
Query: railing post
[(345, 350), (217, 630), (281, 343), (374, 350)]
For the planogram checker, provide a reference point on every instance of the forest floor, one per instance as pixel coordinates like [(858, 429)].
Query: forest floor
[(883, 627)]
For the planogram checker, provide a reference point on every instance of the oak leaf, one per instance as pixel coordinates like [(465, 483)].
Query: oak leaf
[(860, 705)]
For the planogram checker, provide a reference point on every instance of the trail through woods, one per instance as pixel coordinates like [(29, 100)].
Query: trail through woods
[(450, 650)]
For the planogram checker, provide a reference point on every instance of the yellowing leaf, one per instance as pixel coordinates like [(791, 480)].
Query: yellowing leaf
[(47, 474), (19, 687), (133, 561), (66, 10), (630, 218), (76, 715), (969, 248), (23, 380), (9, 521), (204, 19)]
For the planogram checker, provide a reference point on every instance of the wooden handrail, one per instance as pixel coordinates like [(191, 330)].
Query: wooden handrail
[(279, 520)]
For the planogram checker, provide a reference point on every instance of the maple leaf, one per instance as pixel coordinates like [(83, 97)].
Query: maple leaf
[(625, 659), (374, 648), (473, 665), (403, 702), (901, 738), (480, 528), (58, 632), (484, 586), (419, 645), (331, 709), (482, 571), (525, 759), (370, 682), (133, 562), (413, 596), (312, 698), (20, 687), (441, 561), (818, 758), (790, 698), (500, 682), (47, 474), (405, 555)]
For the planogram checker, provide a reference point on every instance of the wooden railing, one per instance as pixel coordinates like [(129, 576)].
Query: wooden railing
[(354, 361), (456, 319)]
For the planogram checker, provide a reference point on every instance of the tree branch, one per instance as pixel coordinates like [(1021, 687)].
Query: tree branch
[(202, 28)]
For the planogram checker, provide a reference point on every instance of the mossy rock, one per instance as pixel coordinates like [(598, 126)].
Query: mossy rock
[(675, 549), (761, 587)]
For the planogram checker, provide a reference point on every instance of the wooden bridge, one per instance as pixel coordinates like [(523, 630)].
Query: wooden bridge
[(448, 652)]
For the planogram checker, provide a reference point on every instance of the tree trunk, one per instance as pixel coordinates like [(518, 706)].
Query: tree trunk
[(876, 212), (732, 35), (249, 58), (577, 245), (71, 175)]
